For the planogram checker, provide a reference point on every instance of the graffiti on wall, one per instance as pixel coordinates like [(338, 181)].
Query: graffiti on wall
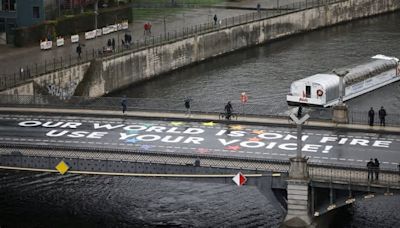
[(64, 93)]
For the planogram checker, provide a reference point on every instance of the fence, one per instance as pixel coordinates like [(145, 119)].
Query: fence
[(357, 117), (152, 104), (35, 156), (28, 72)]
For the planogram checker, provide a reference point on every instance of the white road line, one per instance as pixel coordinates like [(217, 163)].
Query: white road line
[(342, 159), (266, 153), (360, 160), (325, 158), (334, 159), (350, 159), (385, 162), (282, 154)]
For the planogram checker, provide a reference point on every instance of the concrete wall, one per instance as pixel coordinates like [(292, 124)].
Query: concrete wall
[(123, 70), (119, 71), (60, 83)]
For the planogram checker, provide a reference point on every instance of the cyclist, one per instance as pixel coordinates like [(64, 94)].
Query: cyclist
[(228, 110)]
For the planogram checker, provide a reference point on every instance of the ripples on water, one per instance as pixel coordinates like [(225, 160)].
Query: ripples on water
[(265, 72), (52, 200)]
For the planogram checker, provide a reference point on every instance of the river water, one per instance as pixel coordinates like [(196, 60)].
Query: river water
[(265, 73)]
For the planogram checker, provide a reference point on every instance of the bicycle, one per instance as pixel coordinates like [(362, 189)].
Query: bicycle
[(223, 115)]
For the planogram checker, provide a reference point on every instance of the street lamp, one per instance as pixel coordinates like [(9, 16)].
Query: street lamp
[(96, 13), (341, 75), (340, 110)]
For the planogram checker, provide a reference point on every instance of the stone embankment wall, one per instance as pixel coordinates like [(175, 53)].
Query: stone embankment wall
[(118, 71), (60, 83), (126, 69)]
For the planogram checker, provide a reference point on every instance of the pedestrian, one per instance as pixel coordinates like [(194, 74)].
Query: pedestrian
[(146, 27), (370, 166), (187, 105), (113, 43), (228, 110), (149, 27), (371, 115), (109, 43), (124, 105), (258, 7), (79, 50), (299, 111), (382, 115), (376, 169), (215, 19)]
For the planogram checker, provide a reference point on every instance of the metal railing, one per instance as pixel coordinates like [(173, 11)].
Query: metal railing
[(358, 117), (156, 157), (152, 104), (42, 156), (354, 175), (30, 71)]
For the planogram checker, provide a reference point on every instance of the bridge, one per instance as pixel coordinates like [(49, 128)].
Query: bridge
[(38, 134)]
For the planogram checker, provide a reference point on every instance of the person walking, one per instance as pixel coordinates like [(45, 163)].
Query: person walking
[(370, 166), (149, 28), (228, 110), (215, 19), (79, 50), (371, 115), (382, 115), (376, 169), (187, 105), (124, 105), (299, 111)]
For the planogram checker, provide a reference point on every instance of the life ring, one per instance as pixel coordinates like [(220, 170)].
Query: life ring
[(320, 92)]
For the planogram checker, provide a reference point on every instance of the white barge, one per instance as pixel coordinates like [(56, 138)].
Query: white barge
[(323, 89)]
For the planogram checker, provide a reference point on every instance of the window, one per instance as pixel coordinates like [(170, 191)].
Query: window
[(8, 5), (36, 13), (308, 91)]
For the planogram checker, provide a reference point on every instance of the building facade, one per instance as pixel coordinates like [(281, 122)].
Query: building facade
[(19, 13)]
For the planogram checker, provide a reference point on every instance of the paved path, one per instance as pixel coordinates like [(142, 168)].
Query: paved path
[(29, 56)]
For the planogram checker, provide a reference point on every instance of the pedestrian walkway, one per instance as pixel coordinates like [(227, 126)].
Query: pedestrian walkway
[(29, 56)]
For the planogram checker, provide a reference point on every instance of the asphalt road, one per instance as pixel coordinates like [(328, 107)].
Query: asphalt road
[(324, 146)]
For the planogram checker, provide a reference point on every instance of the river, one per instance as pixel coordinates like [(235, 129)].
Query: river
[(265, 73)]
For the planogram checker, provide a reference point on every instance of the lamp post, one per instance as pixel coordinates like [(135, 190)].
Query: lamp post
[(298, 165), (96, 13), (341, 75), (340, 111)]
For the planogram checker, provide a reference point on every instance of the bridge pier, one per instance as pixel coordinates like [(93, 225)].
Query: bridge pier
[(298, 213)]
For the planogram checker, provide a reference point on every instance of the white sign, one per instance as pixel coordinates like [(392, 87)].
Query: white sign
[(99, 32), (46, 45), (239, 179), (125, 25), (90, 35), (105, 30), (75, 38), (301, 120), (60, 42)]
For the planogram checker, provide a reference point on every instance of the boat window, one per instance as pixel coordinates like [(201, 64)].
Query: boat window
[(308, 91)]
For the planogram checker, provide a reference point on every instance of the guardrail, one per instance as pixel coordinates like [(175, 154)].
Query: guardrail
[(152, 104), (353, 175), (28, 72), (156, 157), (46, 157)]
